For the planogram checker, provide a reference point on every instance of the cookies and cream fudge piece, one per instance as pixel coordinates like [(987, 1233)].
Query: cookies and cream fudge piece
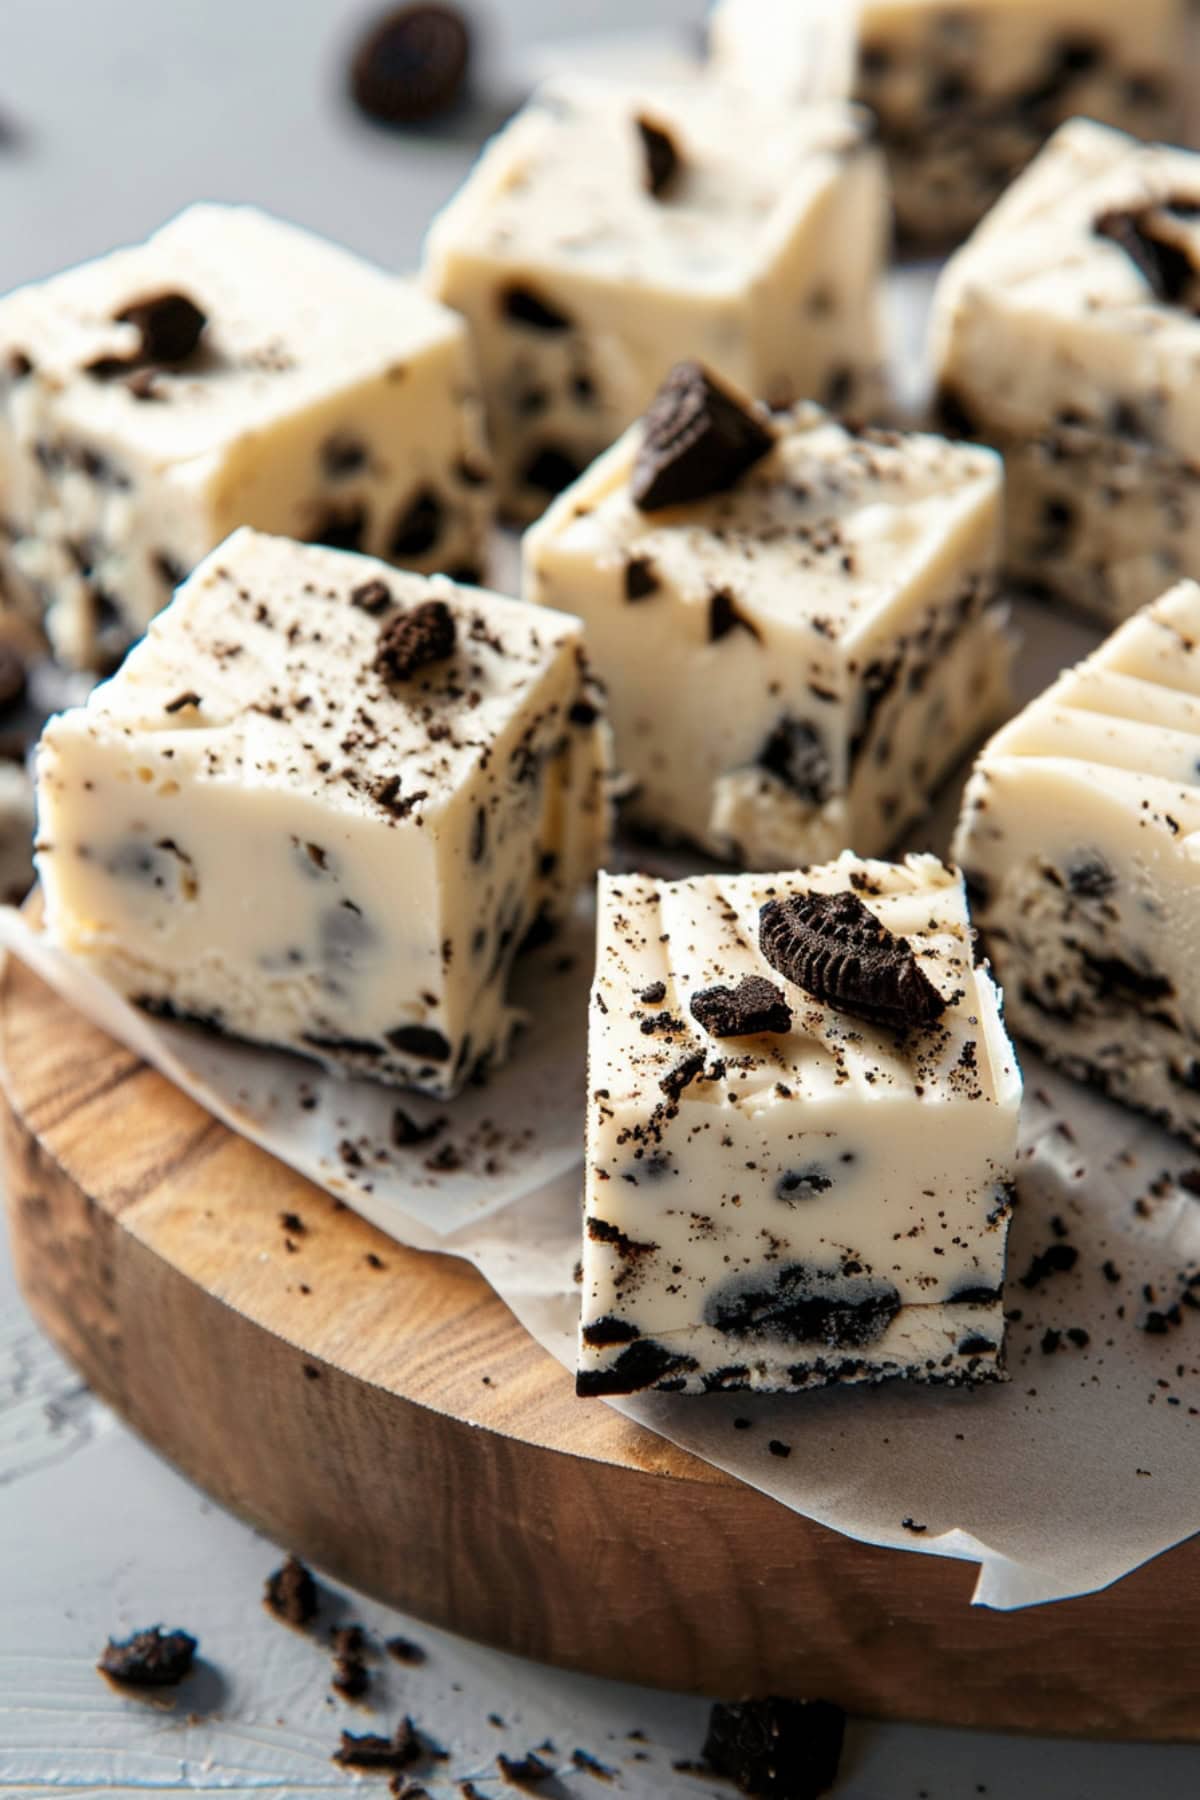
[(802, 1124), (611, 230), (967, 91), (231, 371), (321, 806), (796, 624), (1066, 333), (1080, 837)]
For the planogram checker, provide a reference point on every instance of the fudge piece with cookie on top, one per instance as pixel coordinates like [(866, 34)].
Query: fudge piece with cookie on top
[(802, 1126)]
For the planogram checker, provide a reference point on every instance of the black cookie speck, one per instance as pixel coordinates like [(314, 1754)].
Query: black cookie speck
[(834, 947), (754, 1005), (150, 1658), (662, 159), (776, 1749), (697, 440), (414, 640)]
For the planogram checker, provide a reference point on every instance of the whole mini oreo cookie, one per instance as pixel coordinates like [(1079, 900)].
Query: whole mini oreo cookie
[(754, 1005), (834, 947), (411, 64), (697, 440)]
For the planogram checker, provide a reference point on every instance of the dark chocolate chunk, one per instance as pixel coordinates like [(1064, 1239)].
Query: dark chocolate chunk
[(1158, 247), (662, 159), (411, 64), (524, 306), (834, 947), (291, 1593), (640, 578), (420, 1040), (418, 525), (371, 597), (644, 1364), (754, 1005), (776, 1749), (724, 616), (797, 754), (550, 469), (12, 678), (150, 1658), (371, 1751), (798, 1305), (414, 640), (697, 440), (528, 1771)]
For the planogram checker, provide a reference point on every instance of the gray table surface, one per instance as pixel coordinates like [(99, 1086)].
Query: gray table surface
[(125, 112)]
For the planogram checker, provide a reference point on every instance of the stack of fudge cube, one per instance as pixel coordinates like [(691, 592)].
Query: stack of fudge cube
[(754, 613)]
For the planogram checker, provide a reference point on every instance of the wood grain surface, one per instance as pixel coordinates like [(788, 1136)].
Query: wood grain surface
[(381, 1410)]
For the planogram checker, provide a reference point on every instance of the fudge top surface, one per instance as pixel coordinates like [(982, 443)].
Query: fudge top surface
[(276, 300), (1127, 720), (660, 943), (565, 187), (827, 531), (261, 673), (1072, 237)]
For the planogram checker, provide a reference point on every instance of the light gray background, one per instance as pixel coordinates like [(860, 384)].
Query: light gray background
[(127, 110)]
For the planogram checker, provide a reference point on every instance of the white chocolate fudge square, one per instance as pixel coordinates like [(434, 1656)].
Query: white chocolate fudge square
[(967, 91), (795, 661), (1066, 334), (259, 377), (322, 804), (802, 1127), (1080, 837), (760, 253)]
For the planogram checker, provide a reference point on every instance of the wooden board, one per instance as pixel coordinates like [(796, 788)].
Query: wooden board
[(396, 1425)]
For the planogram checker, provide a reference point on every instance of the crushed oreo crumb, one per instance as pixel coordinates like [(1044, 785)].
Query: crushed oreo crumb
[(411, 64), (150, 1658), (413, 640), (371, 597), (754, 1006), (291, 1593)]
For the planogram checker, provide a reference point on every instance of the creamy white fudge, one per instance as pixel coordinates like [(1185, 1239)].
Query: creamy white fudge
[(231, 371), (323, 804), (967, 91), (802, 1125), (611, 230), (1066, 333), (1080, 837), (794, 660)]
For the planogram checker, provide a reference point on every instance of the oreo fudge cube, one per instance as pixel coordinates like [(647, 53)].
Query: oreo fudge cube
[(1065, 333), (233, 370), (1080, 833), (794, 654), (802, 1125), (967, 91), (321, 806), (612, 229)]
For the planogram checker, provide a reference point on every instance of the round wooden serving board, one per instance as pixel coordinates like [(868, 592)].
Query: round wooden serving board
[(398, 1427)]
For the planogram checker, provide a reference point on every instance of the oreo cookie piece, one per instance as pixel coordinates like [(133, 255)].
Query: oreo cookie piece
[(411, 641), (662, 159), (697, 440), (753, 1006), (834, 947), (150, 1658), (291, 1593), (1160, 251), (169, 326), (411, 64), (776, 1749)]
